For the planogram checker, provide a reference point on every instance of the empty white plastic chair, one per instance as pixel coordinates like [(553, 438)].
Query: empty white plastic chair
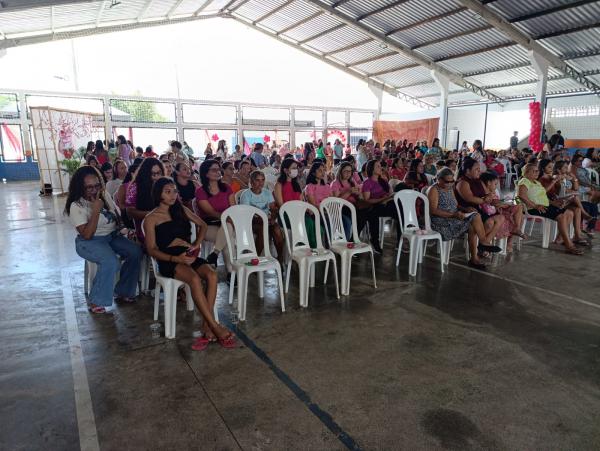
[(409, 226), (331, 209), (299, 249), (242, 249)]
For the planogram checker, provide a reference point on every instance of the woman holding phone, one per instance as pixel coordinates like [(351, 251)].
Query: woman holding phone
[(167, 232), (99, 240)]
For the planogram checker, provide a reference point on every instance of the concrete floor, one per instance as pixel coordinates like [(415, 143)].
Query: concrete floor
[(461, 360)]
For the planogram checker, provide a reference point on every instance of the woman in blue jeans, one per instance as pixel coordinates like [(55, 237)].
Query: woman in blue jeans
[(99, 240)]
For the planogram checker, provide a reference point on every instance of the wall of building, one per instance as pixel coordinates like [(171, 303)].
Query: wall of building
[(19, 171)]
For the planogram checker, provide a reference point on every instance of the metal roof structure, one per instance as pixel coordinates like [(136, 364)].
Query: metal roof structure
[(480, 45)]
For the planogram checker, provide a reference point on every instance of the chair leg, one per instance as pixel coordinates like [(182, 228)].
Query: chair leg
[(381, 232), (399, 253), (304, 281), (344, 271), (373, 269), (287, 275), (442, 258), (156, 300), (174, 311), (280, 281), (313, 268), (188, 298), (232, 286), (413, 256), (241, 293), (261, 284), (326, 272), (335, 277), (169, 333), (546, 230)]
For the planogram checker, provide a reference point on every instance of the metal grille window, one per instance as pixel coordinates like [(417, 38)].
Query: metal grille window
[(575, 111), (122, 110)]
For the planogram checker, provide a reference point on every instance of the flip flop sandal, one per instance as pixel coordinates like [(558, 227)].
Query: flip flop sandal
[(582, 243), (574, 251), (200, 344), (96, 309), (229, 342), (520, 235)]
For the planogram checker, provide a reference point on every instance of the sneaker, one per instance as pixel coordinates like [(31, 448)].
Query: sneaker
[(212, 259)]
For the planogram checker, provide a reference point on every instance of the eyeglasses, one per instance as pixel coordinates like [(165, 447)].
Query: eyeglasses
[(448, 181), (156, 173), (97, 186)]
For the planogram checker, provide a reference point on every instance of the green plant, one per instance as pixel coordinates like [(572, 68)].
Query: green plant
[(70, 165)]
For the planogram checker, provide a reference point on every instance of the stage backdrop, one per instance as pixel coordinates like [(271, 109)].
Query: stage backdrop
[(58, 134), (411, 130)]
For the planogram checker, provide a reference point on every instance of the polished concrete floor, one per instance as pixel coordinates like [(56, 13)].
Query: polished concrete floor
[(460, 360)]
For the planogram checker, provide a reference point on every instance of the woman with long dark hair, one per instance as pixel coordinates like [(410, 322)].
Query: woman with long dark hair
[(138, 199), (186, 185), (213, 197), (287, 187), (167, 230), (100, 152), (119, 174), (124, 150), (99, 240), (415, 178)]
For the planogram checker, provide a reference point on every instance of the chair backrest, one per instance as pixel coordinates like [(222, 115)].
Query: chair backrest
[(270, 181), (297, 235), (331, 209), (238, 196), (242, 243), (593, 175), (430, 179), (393, 183), (154, 266), (408, 213)]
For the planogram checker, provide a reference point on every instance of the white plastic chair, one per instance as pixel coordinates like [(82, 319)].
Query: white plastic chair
[(299, 249), (430, 179), (244, 250), (331, 209), (170, 287), (238, 196), (409, 226), (89, 273), (594, 178)]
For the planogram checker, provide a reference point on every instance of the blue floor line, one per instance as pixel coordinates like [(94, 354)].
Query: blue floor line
[(304, 397)]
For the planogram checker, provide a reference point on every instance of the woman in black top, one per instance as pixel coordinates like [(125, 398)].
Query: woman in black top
[(168, 239), (186, 185)]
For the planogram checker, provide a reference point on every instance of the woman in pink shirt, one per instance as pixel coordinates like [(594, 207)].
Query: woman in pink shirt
[(212, 199), (315, 191), (345, 188)]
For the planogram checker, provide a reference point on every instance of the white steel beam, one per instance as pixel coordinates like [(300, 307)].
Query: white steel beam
[(405, 50), (144, 10), (321, 34), (174, 8), (348, 47), (100, 11), (202, 7), (273, 11), (528, 43), (389, 89), (52, 19), (6, 6), (60, 35), (300, 22), (381, 9)]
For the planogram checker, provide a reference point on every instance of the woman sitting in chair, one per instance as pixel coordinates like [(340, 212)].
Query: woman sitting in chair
[(168, 239), (260, 197), (99, 240), (532, 194), (451, 223)]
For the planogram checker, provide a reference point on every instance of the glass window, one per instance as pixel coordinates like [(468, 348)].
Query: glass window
[(209, 114), (336, 118), (198, 139), (11, 142), (144, 136), (361, 120), (265, 116), (271, 138), (308, 118), (9, 108), (141, 111), (85, 105)]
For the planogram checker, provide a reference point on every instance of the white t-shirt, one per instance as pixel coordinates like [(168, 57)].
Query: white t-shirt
[(260, 201), (587, 163), (81, 211)]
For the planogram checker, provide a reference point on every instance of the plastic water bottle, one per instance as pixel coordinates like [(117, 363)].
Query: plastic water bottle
[(155, 330)]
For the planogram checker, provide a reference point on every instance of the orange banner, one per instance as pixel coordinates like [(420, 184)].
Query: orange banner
[(411, 130)]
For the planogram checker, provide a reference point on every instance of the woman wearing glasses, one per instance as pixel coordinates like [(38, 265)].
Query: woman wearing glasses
[(451, 223), (99, 240)]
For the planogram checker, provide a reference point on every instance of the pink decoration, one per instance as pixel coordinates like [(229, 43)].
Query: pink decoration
[(535, 134), (266, 138), (215, 137)]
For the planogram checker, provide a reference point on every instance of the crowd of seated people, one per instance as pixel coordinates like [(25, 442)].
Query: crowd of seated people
[(172, 192)]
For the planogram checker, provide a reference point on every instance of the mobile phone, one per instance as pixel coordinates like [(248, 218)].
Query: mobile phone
[(191, 252)]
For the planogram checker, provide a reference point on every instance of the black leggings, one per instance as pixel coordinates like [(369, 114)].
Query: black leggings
[(371, 216)]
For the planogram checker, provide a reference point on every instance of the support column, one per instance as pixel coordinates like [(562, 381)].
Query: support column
[(540, 64), (443, 83), (24, 122), (378, 92)]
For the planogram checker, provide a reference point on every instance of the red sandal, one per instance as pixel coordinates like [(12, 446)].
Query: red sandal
[(200, 344), (228, 342), (96, 309)]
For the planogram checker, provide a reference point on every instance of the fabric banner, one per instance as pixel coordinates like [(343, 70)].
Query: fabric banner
[(410, 130), (58, 134)]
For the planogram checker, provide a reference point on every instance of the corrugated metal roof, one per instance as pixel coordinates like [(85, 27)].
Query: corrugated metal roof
[(442, 30)]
